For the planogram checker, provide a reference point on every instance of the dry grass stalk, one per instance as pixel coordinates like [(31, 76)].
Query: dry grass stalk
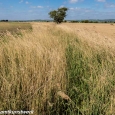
[(63, 95)]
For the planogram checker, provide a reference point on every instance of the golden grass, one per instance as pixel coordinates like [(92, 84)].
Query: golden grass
[(33, 66), (13, 26), (100, 35)]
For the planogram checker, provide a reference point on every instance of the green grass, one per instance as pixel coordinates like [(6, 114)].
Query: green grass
[(89, 95), (91, 82)]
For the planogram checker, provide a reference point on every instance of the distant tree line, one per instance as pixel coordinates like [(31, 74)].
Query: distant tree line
[(83, 21), (87, 21), (4, 20)]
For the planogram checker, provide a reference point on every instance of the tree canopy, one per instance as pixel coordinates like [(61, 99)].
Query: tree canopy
[(58, 15)]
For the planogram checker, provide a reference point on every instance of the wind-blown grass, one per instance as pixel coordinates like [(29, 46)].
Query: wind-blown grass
[(30, 67), (14, 27), (91, 81), (53, 71)]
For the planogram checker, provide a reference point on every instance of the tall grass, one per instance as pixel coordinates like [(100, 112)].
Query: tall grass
[(30, 68), (52, 71), (91, 81)]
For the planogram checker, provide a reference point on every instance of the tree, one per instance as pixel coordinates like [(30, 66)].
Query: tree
[(65, 21), (96, 22), (82, 21), (86, 21), (91, 22), (58, 15), (4, 20), (74, 21)]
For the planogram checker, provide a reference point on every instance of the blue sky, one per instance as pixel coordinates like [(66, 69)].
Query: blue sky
[(39, 9)]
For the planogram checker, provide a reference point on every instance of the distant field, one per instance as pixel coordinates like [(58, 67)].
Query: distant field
[(98, 28), (14, 26)]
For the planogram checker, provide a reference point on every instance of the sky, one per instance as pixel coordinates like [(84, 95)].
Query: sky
[(39, 9)]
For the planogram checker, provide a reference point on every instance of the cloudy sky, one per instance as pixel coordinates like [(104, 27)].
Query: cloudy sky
[(39, 9)]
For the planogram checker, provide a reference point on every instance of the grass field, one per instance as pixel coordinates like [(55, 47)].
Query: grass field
[(65, 69), (13, 27)]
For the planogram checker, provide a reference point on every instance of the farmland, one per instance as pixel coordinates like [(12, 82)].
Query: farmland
[(58, 69), (13, 27)]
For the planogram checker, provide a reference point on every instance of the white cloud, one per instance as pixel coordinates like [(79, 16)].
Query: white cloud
[(39, 6), (73, 1), (36, 7), (21, 1), (61, 6), (101, 0), (71, 8), (75, 8), (27, 2)]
